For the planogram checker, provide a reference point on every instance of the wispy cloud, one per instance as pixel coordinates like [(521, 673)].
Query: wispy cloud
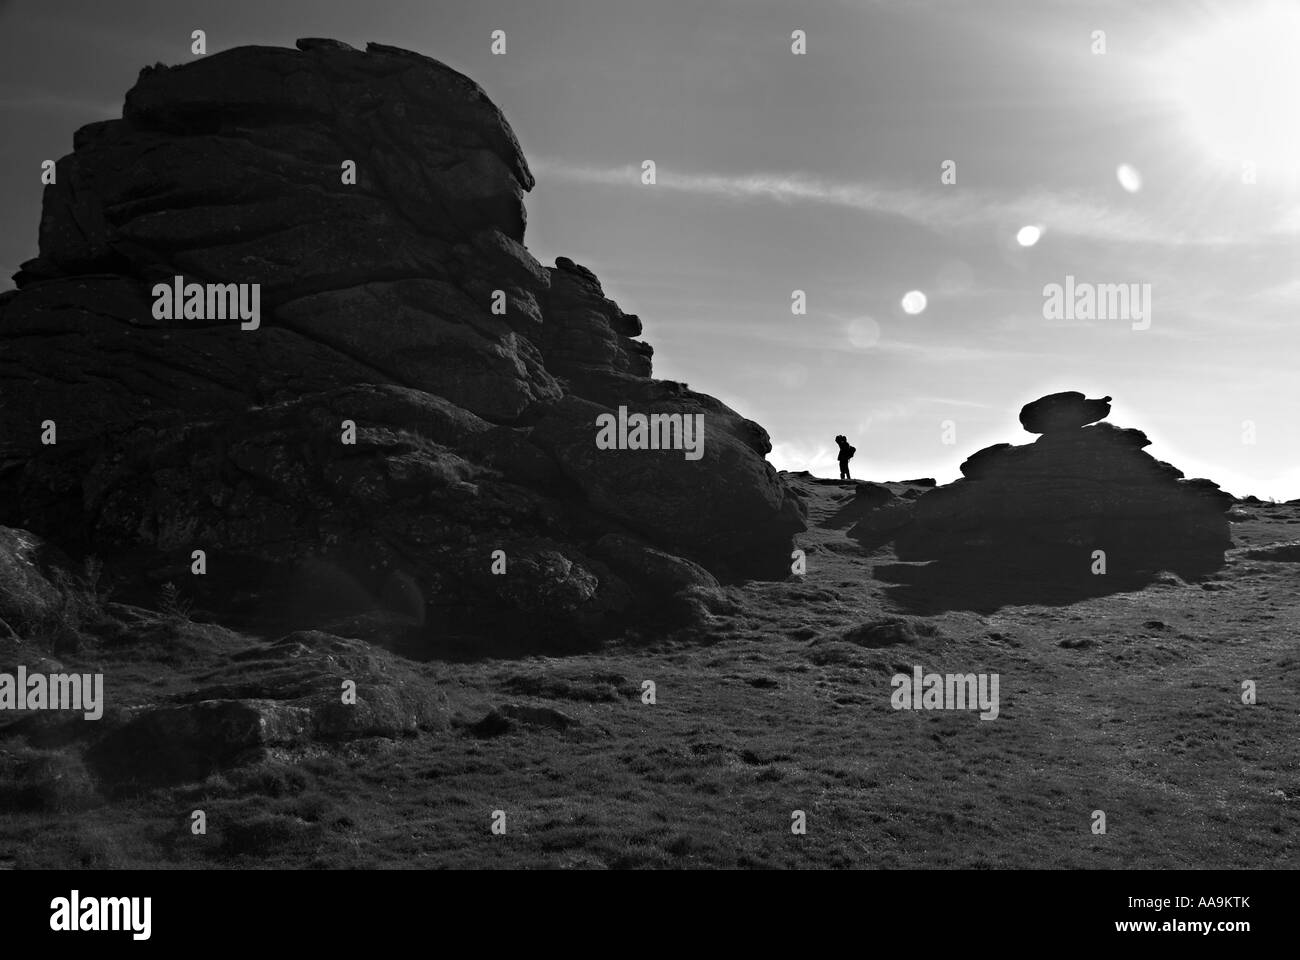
[(913, 408), (1288, 222), (1286, 293), (943, 209)]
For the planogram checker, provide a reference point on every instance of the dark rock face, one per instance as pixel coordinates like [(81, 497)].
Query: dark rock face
[(1062, 411), (474, 428), (1046, 506)]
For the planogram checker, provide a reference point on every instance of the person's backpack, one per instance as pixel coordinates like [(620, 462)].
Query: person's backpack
[(849, 452)]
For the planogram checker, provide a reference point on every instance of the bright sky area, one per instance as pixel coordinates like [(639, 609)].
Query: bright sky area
[(822, 172)]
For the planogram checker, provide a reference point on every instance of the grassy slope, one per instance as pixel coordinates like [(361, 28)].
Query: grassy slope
[(1127, 703)]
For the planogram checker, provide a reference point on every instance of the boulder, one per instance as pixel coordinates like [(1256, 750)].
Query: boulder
[(892, 631), (872, 494), (171, 744), (1062, 411), (289, 692), (29, 571)]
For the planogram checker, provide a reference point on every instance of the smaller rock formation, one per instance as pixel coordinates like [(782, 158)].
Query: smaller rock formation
[(1048, 506)]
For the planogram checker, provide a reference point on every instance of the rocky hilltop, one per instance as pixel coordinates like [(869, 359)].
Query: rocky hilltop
[(375, 199), (1083, 486)]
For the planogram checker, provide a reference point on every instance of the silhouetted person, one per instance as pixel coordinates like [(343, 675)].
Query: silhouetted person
[(846, 454)]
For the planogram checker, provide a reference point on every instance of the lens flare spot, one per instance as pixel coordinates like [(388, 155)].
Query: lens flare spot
[(864, 333), (913, 302), (1128, 178), (1028, 236)]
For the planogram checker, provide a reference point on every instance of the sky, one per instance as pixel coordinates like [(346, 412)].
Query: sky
[(1141, 143)]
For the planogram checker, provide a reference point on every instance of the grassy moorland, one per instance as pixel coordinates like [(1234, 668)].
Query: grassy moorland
[(1129, 703)]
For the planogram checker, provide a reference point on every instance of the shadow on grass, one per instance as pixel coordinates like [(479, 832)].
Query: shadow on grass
[(985, 583)]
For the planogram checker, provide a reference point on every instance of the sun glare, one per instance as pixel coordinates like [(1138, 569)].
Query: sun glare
[(1236, 81)]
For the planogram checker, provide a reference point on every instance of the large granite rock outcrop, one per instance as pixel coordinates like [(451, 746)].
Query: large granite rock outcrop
[(404, 303)]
